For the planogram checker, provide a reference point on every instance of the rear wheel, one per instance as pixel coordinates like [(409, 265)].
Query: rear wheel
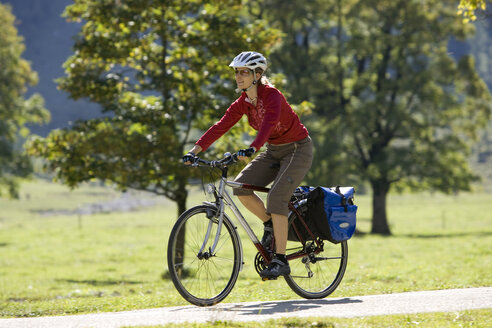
[(319, 270), (205, 278)]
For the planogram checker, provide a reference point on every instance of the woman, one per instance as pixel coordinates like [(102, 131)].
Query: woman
[(285, 161)]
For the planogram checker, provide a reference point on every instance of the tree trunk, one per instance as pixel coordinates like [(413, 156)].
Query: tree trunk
[(181, 196), (379, 219)]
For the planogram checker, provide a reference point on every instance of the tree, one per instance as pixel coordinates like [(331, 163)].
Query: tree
[(392, 107), (15, 110), (305, 58), (158, 68), (467, 8)]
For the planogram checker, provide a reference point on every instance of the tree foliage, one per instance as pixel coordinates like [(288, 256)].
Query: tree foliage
[(15, 110), (392, 107), (468, 8), (159, 69)]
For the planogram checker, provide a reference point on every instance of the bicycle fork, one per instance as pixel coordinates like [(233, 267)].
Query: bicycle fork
[(220, 218)]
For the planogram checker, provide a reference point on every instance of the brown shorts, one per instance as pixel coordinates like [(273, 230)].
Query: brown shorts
[(284, 165)]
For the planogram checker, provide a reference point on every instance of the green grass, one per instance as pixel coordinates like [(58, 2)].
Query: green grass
[(473, 318), (54, 265)]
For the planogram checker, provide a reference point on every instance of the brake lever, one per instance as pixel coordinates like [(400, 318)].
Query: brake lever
[(195, 163)]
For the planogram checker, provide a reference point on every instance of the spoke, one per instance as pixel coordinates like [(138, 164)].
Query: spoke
[(328, 258), (222, 242), (225, 258), (210, 280)]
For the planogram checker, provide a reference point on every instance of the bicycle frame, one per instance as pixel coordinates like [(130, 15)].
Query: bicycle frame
[(223, 198), (222, 195)]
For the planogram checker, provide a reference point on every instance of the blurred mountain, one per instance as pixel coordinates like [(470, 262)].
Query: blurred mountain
[(48, 40)]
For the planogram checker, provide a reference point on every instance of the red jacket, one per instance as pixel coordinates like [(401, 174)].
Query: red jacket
[(273, 118)]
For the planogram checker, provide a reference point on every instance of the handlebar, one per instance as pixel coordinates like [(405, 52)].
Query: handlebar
[(226, 161)]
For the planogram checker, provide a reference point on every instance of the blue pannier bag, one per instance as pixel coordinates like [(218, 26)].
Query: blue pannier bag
[(328, 213), (332, 211)]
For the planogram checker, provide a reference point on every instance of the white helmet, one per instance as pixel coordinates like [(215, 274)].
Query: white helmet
[(249, 59)]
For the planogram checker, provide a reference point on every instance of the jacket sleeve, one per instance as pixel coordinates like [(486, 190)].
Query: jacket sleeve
[(232, 115), (273, 106)]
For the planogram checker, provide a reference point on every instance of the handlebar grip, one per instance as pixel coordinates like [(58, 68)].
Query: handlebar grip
[(228, 159)]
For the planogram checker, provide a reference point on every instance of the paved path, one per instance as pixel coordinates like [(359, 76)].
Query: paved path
[(412, 302)]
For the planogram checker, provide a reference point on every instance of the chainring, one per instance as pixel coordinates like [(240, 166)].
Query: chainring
[(259, 263)]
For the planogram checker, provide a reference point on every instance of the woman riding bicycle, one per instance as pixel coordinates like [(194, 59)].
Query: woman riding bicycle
[(285, 161)]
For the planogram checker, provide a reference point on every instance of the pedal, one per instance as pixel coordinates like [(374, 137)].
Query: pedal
[(265, 278)]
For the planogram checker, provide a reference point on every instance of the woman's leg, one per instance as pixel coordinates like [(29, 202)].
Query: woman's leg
[(295, 163), (280, 230), (255, 205), (279, 265), (260, 172)]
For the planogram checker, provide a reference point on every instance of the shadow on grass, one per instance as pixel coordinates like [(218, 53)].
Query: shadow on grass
[(3, 244), (101, 282), (183, 274)]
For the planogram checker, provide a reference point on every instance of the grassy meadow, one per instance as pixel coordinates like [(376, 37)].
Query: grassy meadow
[(54, 263)]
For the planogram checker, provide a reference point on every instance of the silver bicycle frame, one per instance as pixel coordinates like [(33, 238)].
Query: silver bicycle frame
[(224, 195)]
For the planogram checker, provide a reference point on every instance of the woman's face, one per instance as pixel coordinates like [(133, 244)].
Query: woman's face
[(244, 77)]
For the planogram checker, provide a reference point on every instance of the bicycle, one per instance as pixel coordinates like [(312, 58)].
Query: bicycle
[(205, 268)]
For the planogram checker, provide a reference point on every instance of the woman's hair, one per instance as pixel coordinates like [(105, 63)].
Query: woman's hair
[(263, 79)]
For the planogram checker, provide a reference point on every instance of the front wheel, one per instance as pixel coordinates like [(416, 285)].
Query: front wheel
[(204, 278)]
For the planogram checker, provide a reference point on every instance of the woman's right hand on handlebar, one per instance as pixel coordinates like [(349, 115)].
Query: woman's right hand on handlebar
[(189, 158)]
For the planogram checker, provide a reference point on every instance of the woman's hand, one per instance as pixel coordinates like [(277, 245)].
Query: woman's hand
[(242, 154), (189, 158)]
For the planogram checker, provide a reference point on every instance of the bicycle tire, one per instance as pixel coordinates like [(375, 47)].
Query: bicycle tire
[(316, 276), (202, 280)]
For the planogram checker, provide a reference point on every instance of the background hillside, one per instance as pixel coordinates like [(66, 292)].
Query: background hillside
[(48, 40)]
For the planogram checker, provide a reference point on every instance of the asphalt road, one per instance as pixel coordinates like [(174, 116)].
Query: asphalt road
[(412, 302)]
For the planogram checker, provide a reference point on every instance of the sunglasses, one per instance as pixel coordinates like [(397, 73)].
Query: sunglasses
[(243, 72)]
